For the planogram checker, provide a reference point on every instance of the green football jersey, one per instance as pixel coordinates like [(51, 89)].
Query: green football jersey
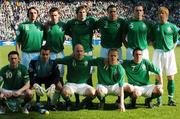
[(138, 74), (54, 36), (164, 36), (110, 32), (81, 32), (137, 32), (14, 79), (78, 71), (108, 74), (30, 36)]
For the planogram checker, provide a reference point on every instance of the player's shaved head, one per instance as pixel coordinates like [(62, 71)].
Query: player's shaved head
[(78, 52)]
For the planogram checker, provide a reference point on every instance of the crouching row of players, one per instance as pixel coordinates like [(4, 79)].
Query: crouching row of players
[(110, 73)]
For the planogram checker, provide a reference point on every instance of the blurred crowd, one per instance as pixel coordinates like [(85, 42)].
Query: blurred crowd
[(14, 12)]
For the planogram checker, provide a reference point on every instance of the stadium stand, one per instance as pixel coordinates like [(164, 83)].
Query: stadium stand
[(13, 12)]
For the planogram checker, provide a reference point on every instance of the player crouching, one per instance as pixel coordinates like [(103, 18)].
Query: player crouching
[(43, 70), (14, 86)]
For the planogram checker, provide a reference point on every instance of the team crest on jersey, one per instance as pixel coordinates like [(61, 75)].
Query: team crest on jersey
[(118, 25), (38, 67), (116, 73), (17, 32), (87, 23), (86, 63), (131, 25), (144, 67), (26, 27), (74, 63), (1, 78), (49, 29), (19, 73), (106, 25), (144, 26), (8, 74), (158, 29), (169, 29)]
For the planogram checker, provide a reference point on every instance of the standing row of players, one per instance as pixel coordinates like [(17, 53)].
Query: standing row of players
[(114, 31)]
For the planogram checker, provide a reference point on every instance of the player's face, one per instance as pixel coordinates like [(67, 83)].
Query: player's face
[(138, 12), (113, 57), (81, 15), (163, 17), (112, 12), (13, 60), (79, 52), (33, 15), (45, 54), (137, 56), (54, 16)]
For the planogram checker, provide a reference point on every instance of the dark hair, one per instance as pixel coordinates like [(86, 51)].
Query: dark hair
[(54, 9), (81, 7), (13, 53), (45, 47), (139, 4), (113, 50), (31, 9), (136, 50), (111, 6)]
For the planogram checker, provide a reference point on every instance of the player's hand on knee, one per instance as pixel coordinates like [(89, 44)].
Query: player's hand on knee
[(17, 93)]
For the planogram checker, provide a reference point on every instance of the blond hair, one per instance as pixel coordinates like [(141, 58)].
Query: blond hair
[(164, 10)]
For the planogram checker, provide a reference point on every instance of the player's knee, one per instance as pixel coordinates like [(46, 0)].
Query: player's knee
[(100, 92), (66, 92), (129, 88), (137, 93), (29, 93), (90, 92), (59, 86), (158, 90)]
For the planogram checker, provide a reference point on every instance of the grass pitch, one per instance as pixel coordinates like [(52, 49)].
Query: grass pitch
[(163, 112)]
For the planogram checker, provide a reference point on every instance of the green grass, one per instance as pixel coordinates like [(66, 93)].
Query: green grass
[(163, 112)]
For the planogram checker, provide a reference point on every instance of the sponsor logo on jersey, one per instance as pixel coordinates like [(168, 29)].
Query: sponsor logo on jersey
[(76, 22)]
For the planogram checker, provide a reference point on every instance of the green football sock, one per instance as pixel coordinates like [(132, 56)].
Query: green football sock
[(170, 88)]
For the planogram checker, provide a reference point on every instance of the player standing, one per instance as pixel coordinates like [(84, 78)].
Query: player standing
[(165, 36), (29, 37)]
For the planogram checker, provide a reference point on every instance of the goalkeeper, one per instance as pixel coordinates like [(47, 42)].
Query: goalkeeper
[(43, 70)]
